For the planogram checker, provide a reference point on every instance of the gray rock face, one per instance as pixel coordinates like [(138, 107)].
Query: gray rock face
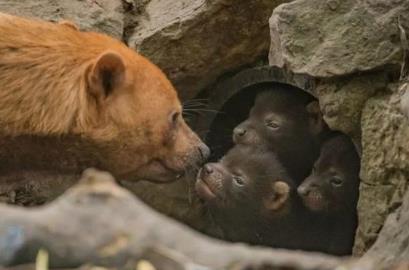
[(405, 100), (97, 15), (195, 41), (325, 38), (351, 48), (342, 101), (385, 166), (388, 249)]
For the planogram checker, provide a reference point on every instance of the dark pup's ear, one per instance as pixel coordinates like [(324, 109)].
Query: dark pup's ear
[(106, 75), (277, 197), (316, 122)]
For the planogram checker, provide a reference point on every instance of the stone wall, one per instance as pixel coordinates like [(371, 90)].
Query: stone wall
[(353, 50)]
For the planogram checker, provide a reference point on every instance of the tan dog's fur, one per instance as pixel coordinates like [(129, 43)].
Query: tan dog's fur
[(69, 24), (54, 81)]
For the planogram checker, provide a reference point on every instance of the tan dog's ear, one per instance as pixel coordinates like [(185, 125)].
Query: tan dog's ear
[(277, 197), (106, 75), (316, 122), (69, 24)]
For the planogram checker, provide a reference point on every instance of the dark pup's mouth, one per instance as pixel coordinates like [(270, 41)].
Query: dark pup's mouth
[(314, 201), (238, 140), (203, 189)]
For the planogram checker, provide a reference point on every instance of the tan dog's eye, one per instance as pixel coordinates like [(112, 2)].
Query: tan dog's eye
[(174, 118)]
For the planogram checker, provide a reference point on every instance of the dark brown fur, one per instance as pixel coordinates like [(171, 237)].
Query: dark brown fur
[(259, 211), (331, 192), (287, 122)]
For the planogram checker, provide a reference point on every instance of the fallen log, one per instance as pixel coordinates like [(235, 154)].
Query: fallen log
[(97, 222)]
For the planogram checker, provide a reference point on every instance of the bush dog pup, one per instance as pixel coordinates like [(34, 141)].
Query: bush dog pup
[(331, 192), (287, 122)]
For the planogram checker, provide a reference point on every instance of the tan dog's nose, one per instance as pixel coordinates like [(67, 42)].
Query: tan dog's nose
[(204, 152)]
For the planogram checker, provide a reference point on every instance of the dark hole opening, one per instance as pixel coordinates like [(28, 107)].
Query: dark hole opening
[(234, 111)]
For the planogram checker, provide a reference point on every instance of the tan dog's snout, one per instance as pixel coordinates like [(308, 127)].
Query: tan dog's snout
[(199, 154), (204, 153)]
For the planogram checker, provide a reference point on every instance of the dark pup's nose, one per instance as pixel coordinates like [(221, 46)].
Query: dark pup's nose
[(303, 190), (240, 132), (208, 169)]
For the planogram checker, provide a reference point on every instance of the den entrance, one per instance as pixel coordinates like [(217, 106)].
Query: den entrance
[(313, 171)]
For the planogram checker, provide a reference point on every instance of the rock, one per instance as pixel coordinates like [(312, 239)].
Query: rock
[(97, 15), (342, 100), (326, 38), (391, 247), (196, 41), (384, 165), (405, 100), (116, 229)]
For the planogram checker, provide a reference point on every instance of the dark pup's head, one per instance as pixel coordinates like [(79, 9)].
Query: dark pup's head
[(246, 180), (286, 122), (334, 181)]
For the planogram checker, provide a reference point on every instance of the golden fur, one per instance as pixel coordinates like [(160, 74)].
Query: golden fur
[(52, 84)]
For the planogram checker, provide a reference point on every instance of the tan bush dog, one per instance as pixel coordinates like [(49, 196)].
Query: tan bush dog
[(56, 81)]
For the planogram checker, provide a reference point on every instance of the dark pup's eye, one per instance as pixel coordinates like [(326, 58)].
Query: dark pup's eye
[(336, 181), (174, 117), (238, 180), (272, 125)]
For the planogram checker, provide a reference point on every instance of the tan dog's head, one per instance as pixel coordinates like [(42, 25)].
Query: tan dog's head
[(135, 116)]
